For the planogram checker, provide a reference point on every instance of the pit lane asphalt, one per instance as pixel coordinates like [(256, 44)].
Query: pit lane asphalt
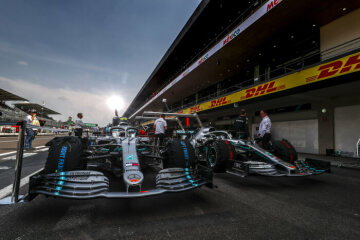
[(317, 207), (9, 144)]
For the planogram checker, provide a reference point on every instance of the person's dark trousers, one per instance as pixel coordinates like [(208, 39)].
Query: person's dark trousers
[(78, 132), (266, 141), (29, 138), (159, 136)]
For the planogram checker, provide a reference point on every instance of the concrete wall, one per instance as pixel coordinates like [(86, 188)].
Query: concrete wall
[(338, 32), (347, 128)]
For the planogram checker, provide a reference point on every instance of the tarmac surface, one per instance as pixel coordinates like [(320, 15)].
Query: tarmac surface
[(255, 207)]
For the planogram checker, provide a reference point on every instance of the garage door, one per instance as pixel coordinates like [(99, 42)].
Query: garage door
[(347, 130), (303, 134)]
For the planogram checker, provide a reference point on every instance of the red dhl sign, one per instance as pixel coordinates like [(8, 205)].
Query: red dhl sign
[(262, 89), (195, 109), (219, 102), (342, 66), (331, 69)]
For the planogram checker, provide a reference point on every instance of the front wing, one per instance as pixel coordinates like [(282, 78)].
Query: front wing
[(93, 184)]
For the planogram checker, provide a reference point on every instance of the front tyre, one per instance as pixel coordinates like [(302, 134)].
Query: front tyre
[(285, 151), (65, 154), (219, 153), (179, 154)]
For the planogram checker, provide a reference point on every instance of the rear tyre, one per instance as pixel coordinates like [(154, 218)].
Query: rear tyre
[(219, 153), (65, 154), (179, 154), (284, 150)]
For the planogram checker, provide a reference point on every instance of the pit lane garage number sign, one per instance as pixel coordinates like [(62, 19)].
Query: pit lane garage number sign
[(339, 67)]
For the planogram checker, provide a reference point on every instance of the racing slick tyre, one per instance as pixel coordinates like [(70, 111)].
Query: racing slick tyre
[(65, 154), (219, 153), (179, 154), (284, 150)]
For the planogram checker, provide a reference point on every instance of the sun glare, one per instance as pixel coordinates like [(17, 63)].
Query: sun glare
[(115, 102)]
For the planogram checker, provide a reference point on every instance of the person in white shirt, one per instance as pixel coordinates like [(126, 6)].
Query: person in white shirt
[(30, 132), (78, 129), (265, 130), (160, 126)]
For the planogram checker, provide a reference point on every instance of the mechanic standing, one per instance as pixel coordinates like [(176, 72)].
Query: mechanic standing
[(78, 129), (265, 130), (30, 132), (160, 126), (241, 126)]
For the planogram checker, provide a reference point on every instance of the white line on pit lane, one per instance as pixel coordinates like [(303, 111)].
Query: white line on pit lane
[(4, 167), (38, 149), (8, 141), (7, 190), (14, 157), (3, 154)]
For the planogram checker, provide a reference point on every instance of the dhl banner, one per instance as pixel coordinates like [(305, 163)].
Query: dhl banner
[(339, 67)]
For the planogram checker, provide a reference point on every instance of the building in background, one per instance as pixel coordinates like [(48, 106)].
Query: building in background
[(21, 109), (300, 60)]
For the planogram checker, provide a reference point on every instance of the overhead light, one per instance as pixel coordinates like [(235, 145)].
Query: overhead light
[(247, 60), (344, 9), (259, 54), (292, 36), (314, 25), (274, 46)]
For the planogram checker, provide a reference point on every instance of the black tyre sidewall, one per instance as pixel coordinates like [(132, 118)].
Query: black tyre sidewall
[(179, 154), (65, 154)]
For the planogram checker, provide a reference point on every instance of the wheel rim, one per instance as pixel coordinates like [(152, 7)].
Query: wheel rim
[(212, 156)]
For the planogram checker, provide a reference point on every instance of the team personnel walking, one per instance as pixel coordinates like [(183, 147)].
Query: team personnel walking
[(265, 130), (30, 132), (78, 129), (241, 126), (160, 126)]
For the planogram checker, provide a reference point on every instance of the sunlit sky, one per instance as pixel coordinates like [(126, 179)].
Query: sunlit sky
[(76, 54)]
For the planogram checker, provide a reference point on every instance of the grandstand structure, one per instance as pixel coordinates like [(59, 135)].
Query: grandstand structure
[(21, 109), (299, 60)]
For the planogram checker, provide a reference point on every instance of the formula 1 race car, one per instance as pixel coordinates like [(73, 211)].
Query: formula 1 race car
[(245, 157), (222, 153), (119, 165)]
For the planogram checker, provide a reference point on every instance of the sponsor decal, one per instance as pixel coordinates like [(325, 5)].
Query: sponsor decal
[(219, 102), (203, 59), (130, 157), (186, 72), (62, 158), (272, 4), (337, 67), (231, 36), (261, 90), (195, 109)]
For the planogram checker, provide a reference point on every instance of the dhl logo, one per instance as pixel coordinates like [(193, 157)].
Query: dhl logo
[(261, 89), (219, 102), (195, 109), (337, 67)]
